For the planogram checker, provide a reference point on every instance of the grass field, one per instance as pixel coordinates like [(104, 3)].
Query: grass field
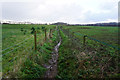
[(105, 34), (92, 60), (18, 45)]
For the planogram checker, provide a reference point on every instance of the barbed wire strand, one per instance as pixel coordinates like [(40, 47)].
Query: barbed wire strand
[(13, 60), (17, 55), (99, 41), (13, 49), (15, 44)]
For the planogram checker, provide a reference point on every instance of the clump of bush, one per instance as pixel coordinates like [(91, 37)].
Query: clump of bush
[(32, 70)]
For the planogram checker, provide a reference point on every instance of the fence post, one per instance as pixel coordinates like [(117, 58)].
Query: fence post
[(68, 33), (50, 35), (35, 40), (45, 35), (84, 40)]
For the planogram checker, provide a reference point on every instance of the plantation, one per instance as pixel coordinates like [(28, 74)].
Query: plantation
[(76, 51)]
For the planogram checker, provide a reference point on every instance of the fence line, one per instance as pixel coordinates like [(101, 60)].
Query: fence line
[(16, 44), (20, 44), (99, 41), (11, 61), (75, 38), (13, 49), (16, 56), (95, 40)]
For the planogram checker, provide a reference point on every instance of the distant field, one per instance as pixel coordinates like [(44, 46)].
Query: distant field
[(104, 34), (12, 34), (94, 59)]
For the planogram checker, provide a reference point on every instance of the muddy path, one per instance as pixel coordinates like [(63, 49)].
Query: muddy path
[(52, 67)]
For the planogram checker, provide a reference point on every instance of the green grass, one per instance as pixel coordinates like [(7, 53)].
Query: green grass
[(14, 61), (15, 35), (94, 60), (91, 61), (105, 34), (67, 60)]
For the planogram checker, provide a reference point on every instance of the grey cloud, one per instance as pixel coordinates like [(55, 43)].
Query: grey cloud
[(16, 11), (73, 12)]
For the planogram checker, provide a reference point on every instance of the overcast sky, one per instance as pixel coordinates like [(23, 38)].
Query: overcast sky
[(69, 11)]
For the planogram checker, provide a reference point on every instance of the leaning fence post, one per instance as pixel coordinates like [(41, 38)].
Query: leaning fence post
[(35, 40), (84, 40)]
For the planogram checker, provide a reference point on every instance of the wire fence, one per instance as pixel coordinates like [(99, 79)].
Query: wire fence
[(104, 43), (15, 56), (12, 50), (7, 64), (99, 55), (98, 41), (19, 45), (15, 44)]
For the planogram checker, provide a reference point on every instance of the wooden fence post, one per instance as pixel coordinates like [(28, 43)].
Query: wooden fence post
[(68, 33), (45, 35), (35, 40), (50, 35), (84, 40)]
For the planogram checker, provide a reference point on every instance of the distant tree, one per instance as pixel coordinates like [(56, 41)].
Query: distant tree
[(25, 32), (43, 28), (33, 30), (5, 23), (38, 28), (22, 29)]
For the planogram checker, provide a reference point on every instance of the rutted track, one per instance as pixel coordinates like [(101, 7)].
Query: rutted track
[(52, 68)]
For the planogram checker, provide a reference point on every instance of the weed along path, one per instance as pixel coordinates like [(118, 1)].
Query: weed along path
[(52, 67)]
